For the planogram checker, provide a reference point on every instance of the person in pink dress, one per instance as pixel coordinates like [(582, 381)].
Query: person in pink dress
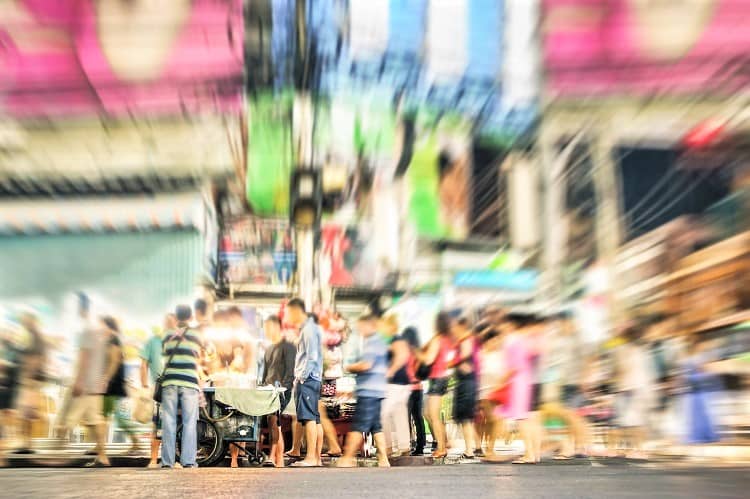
[(520, 355)]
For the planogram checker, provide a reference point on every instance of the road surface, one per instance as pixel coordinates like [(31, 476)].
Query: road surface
[(469, 481)]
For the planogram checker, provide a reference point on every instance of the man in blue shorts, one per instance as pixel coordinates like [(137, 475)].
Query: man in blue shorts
[(308, 374), (371, 371)]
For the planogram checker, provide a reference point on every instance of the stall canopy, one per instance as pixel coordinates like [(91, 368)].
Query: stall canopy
[(161, 212), (139, 255)]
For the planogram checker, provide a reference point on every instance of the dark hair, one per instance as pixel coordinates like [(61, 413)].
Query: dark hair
[(314, 317), (297, 303), (411, 335), (490, 334), (443, 323), (111, 323), (234, 310), (183, 313), (464, 321), (201, 306), (275, 319)]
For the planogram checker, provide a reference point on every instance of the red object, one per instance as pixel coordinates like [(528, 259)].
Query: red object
[(500, 396), (704, 135)]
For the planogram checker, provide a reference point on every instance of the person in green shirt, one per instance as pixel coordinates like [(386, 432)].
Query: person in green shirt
[(152, 365)]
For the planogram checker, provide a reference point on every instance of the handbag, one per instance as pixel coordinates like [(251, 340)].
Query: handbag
[(160, 380)]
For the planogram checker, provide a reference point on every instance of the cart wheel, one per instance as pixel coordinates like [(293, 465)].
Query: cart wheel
[(211, 446)]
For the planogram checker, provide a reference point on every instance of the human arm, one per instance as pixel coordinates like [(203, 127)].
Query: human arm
[(289, 358), (428, 354), (114, 359), (310, 344), (359, 367), (144, 373), (400, 350), (461, 362)]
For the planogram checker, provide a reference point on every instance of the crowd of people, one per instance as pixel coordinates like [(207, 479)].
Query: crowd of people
[(507, 376)]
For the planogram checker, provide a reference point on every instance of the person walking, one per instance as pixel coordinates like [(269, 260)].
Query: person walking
[(89, 386), (466, 363), (308, 375), (278, 368), (32, 375), (416, 397), (152, 365), (701, 386), (395, 416), (180, 390), (436, 355), (520, 364), (370, 369), (116, 381), (635, 385)]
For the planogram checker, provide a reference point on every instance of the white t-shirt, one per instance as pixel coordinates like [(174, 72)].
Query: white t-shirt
[(95, 342)]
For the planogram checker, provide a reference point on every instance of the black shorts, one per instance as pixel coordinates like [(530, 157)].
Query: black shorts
[(536, 397), (438, 386), (306, 397), (465, 400), (367, 415)]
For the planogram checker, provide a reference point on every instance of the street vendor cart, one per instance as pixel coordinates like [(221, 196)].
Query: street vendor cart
[(232, 416)]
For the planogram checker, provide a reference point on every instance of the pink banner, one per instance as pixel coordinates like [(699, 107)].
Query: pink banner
[(78, 57), (646, 46)]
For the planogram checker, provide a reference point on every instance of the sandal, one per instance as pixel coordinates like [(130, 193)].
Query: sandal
[(523, 461), (98, 464), (467, 456)]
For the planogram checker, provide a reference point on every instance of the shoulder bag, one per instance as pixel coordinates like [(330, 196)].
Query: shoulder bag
[(160, 380)]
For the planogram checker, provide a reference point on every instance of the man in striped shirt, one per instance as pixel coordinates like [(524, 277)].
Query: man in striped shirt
[(183, 349)]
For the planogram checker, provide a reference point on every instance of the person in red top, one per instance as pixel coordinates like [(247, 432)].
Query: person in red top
[(438, 353)]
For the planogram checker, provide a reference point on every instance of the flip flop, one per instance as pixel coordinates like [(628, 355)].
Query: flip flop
[(98, 464), (562, 458), (523, 461), (303, 464)]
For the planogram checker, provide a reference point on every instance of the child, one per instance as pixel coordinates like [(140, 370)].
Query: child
[(371, 383)]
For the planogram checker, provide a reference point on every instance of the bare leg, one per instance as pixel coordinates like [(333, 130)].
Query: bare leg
[(319, 444), (329, 431), (311, 434), (234, 452), (297, 434), (436, 425), (470, 437), (382, 450), (277, 442), (353, 442), (154, 450), (101, 448)]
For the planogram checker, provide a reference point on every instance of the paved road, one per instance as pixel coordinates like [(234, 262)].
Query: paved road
[(468, 481)]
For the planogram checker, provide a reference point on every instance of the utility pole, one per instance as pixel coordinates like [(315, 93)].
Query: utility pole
[(609, 234)]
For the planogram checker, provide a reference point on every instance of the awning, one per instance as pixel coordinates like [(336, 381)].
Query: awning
[(131, 214)]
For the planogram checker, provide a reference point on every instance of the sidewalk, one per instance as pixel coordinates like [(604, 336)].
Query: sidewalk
[(736, 452)]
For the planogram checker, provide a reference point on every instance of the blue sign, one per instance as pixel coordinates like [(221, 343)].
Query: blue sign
[(521, 280)]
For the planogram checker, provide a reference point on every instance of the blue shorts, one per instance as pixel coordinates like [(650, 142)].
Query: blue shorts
[(306, 397), (367, 415)]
